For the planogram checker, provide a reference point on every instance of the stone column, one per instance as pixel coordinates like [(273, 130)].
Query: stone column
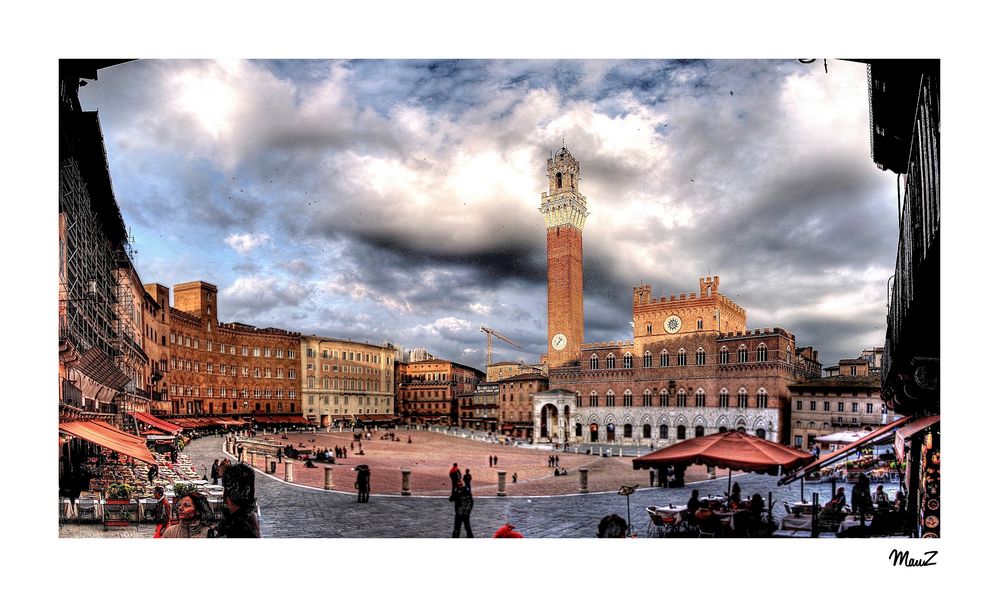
[(328, 480), (288, 476), (253, 458), (501, 483), (267, 463), (405, 482), (583, 480)]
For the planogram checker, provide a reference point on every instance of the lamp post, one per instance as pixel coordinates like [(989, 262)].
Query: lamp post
[(626, 491)]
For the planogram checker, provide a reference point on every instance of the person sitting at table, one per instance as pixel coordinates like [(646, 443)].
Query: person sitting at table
[(735, 497), (881, 497), (838, 502), (694, 503)]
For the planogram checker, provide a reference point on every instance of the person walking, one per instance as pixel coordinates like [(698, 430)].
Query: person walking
[(363, 483), (467, 480), (860, 498), (215, 472), (556, 460), (153, 471), (161, 512), (463, 504), (455, 475)]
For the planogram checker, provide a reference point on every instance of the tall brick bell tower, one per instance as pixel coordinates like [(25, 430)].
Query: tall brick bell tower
[(565, 213)]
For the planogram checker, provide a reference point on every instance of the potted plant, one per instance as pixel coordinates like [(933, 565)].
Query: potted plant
[(119, 493)]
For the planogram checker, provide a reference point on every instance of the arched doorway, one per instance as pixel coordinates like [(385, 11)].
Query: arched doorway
[(594, 432), (699, 431), (761, 433), (549, 420), (610, 432)]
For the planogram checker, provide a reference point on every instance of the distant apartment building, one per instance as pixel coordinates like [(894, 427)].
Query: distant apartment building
[(347, 382), (427, 391), (504, 369), (480, 409), (516, 403), (848, 400)]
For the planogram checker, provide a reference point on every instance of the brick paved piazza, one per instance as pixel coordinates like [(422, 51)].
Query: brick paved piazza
[(288, 510)]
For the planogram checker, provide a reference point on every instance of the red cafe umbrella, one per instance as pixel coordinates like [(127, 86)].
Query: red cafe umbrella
[(731, 450)]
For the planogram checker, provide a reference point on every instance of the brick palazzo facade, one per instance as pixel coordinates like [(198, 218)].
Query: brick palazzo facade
[(692, 368), (227, 368)]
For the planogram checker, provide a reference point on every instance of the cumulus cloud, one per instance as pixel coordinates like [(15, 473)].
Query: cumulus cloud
[(244, 243)]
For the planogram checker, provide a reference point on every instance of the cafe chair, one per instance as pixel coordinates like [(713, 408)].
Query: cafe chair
[(656, 525)]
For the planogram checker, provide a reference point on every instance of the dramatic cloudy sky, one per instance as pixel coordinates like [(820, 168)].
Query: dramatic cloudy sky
[(398, 200)]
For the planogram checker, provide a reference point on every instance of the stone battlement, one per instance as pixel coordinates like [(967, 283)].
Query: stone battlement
[(757, 332), (621, 344)]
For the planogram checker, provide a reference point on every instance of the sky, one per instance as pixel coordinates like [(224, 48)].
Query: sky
[(397, 200)]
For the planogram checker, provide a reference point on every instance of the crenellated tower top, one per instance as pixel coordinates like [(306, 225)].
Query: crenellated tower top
[(562, 204)]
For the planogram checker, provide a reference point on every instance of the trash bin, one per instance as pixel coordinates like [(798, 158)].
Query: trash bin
[(273, 467)]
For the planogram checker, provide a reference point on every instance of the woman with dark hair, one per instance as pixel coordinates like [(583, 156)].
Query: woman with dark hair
[(193, 512)]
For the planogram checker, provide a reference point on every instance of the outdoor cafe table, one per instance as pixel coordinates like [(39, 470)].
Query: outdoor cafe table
[(796, 523), (670, 510)]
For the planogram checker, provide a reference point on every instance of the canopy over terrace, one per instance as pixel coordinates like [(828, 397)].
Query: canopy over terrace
[(105, 435), (157, 423), (733, 450), (901, 428)]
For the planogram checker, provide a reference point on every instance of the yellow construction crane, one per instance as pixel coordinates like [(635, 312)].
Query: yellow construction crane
[(489, 342)]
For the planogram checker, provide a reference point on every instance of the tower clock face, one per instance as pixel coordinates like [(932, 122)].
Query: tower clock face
[(559, 341), (672, 324)]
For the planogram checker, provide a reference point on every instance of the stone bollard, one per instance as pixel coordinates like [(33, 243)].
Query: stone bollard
[(501, 483), (583, 480), (267, 463), (577, 449), (405, 482), (288, 476), (620, 452), (253, 459), (328, 480)]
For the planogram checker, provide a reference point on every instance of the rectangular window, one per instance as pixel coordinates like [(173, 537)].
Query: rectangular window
[(798, 405), (839, 407), (279, 373), (267, 372), (855, 407), (196, 343), (825, 406), (291, 354), (811, 405), (246, 371), (267, 352), (280, 394), (870, 408), (256, 351), (210, 367), (256, 372)]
